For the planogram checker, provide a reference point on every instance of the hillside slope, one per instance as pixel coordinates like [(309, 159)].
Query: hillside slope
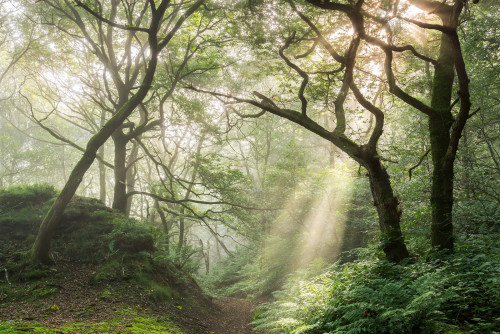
[(108, 275)]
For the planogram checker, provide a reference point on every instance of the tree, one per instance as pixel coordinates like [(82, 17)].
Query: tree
[(380, 32), (445, 129), (157, 39), (366, 154)]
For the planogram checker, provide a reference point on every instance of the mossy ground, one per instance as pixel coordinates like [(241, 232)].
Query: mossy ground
[(115, 325), (107, 275)]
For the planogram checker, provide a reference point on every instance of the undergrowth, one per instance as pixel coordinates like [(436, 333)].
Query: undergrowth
[(456, 293)]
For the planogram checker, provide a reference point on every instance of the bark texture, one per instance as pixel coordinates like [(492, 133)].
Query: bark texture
[(389, 213), (120, 172), (439, 132)]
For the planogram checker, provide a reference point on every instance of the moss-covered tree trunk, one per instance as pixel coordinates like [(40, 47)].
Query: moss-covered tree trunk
[(41, 247), (131, 175), (182, 225), (102, 167), (439, 132), (165, 225), (102, 176), (120, 172), (445, 128), (389, 213)]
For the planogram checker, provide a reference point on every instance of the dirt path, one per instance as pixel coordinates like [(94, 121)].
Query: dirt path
[(235, 316), (225, 316)]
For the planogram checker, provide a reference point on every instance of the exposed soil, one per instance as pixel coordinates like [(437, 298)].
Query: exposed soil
[(225, 316), (77, 299)]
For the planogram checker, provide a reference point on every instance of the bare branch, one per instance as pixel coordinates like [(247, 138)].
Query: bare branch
[(394, 89), (305, 77), (60, 137), (190, 200), (443, 29), (474, 112), (308, 52), (418, 163), (385, 46), (320, 37), (179, 23), (105, 20), (348, 9), (339, 139)]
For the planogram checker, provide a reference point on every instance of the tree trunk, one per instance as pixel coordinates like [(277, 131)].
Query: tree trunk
[(180, 243), (102, 177), (101, 166), (63, 164), (131, 175), (389, 214), (41, 247), (439, 129), (120, 172), (164, 223)]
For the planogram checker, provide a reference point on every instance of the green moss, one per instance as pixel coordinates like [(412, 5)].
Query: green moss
[(125, 266), (36, 273), (127, 312), (132, 236), (110, 271), (90, 232), (158, 292), (16, 197), (106, 293), (43, 292), (135, 325)]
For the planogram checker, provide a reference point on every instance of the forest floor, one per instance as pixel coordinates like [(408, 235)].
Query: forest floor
[(69, 302)]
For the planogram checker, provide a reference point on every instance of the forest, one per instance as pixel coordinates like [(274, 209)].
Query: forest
[(250, 166)]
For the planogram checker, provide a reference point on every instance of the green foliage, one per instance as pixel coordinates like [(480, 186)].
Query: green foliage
[(20, 209), (181, 257), (219, 176), (373, 296), (83, 233), (230, 275), (311, 203), (109, 271)]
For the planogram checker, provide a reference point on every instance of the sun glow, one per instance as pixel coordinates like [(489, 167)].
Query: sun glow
[(319, 234), (411, 11), (323, 228)]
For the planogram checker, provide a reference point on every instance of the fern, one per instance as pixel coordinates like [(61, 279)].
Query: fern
[(373, 296)]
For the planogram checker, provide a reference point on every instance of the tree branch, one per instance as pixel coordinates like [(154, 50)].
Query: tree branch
[(305, 77), (443, 29), (105, 20), (394, 89), (418, 163), (190, 200), (60, 137)]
